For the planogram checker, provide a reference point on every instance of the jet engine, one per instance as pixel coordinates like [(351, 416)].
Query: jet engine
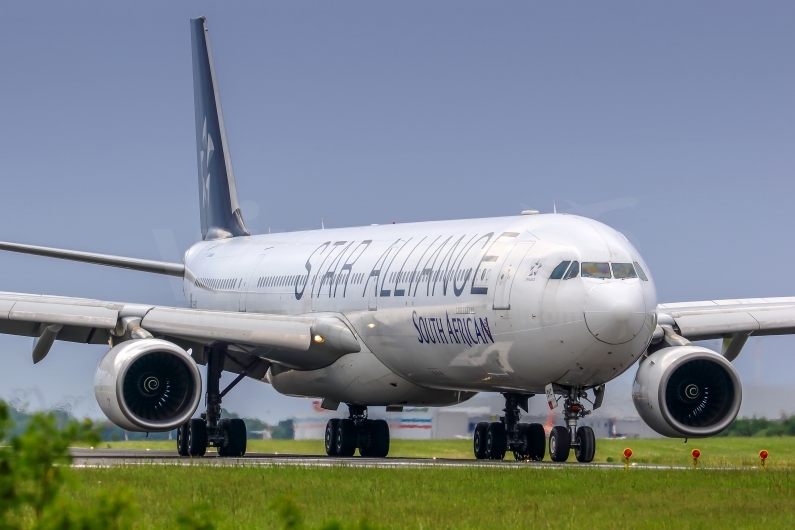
[(148, 385), (687, 392)]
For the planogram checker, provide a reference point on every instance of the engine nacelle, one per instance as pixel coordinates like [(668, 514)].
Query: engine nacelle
[(687, 392), (148, 385)]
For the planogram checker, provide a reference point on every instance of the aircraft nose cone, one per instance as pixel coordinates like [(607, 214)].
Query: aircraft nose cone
[(614, 312)]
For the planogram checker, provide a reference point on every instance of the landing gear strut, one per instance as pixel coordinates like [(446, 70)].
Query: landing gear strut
[(563, 439), (344, 436), (227, 435), (525, 441)]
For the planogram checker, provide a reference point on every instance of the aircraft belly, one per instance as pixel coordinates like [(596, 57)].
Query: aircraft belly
[(361, 378)]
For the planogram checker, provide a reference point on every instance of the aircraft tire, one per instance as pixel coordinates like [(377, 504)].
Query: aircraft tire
[(587, 445), (331, 436), (379, 439), (346, 438), (479, 440), (536, 442), (182, 440), (197, 437), (521, 451), (235, 430), (224, 450), (559, 444), (496, 441)]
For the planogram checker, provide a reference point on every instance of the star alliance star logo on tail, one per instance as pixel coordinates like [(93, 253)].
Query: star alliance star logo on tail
[(208, 148)]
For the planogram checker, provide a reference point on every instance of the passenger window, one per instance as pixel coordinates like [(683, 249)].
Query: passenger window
[(574, 270), (595, 269), (559, 271), (623, 271), (641, 272)]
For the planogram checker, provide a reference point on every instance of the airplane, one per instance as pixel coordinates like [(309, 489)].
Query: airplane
[(398, 315)]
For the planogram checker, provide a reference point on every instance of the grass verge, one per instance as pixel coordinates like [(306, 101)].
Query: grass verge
[(570, 497)]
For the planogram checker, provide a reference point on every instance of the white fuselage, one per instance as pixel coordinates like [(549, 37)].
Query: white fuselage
[(462, 305)]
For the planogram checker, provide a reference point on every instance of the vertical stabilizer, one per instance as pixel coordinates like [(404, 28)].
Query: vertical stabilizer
[(220, 210)]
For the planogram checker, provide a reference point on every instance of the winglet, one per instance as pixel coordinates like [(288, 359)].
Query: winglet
[(220, 210)]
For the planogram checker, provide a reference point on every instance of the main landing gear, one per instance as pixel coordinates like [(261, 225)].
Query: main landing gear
[(344, 436), (526, 441), (227, 435), (563, 439)]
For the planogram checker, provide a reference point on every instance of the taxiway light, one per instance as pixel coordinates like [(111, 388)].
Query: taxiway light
[(319, 339), (696, 454), (763, 454)]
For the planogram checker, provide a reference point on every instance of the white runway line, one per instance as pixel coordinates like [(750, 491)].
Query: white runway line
[(102, 458)]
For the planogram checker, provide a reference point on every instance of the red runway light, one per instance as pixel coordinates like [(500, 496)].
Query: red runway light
[(627, 452), (695, 453), (763, 454)]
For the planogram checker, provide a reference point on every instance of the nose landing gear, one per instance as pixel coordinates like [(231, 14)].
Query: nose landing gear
[(563, 439), (344, 436), (525, 441)]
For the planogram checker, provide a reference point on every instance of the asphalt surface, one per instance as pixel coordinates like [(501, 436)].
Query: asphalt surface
[(118, 457)]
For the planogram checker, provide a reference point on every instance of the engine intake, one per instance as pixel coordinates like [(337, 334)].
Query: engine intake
[(148, 385), (687, 392)]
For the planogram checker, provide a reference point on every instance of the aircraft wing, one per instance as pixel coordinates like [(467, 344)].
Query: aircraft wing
[(300, 342), (730, 318)]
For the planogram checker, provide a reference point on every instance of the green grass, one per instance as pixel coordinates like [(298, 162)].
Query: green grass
[(728, 451), (571, 497)]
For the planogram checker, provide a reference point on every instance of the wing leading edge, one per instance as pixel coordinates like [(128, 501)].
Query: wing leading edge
[(300, 342), (714, 319), (143, 265)]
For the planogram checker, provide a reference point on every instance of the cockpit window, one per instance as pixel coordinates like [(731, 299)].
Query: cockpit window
[(574, 270), (557, 274), (623, 271), (595, 269), (641, 272)]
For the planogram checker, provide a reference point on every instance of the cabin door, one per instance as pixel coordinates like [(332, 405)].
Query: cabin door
[(502, 291), (251, 283)]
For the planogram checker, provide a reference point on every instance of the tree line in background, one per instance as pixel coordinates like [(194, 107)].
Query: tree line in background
[(746, 427), (109, 432)]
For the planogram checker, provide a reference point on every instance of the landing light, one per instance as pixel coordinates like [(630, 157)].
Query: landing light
[(319, 339)]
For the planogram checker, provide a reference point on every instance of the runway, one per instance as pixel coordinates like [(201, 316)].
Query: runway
[(115, 457)]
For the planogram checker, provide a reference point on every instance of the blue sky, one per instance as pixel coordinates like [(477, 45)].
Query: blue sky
[(361, 112)]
